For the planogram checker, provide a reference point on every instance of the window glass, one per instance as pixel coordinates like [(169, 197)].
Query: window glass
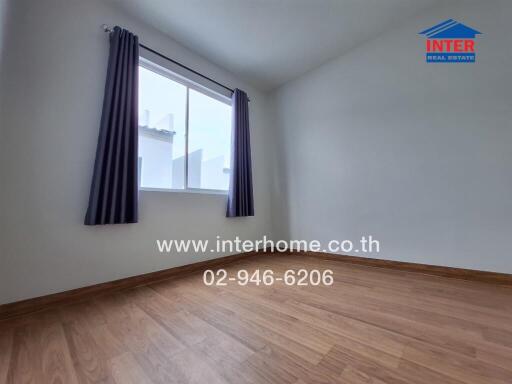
[(209, 142), (165, 154), (162, 109)]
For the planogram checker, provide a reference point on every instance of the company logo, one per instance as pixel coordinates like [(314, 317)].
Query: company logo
[(450, 42)]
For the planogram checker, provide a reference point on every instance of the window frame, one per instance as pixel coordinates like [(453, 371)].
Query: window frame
[(189, 84)]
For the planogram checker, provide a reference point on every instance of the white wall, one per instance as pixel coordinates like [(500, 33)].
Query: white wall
[(4, 16), (55, 72), (418, 155), (3, 23)]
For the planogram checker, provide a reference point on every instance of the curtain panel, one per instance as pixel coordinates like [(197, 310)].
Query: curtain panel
[(113, 197), (240, 196)]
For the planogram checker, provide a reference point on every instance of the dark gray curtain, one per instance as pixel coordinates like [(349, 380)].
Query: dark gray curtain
[(240, 198), (113, 197)]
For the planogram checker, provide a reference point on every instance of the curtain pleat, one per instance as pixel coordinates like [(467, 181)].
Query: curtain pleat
[(113, 197)]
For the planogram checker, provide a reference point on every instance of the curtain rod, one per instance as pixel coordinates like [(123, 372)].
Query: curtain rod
[(108, 29)]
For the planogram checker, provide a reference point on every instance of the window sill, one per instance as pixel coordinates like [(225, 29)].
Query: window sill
[(190, 190)]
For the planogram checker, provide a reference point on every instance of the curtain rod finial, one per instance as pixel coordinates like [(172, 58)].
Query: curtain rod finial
[(106, 28)]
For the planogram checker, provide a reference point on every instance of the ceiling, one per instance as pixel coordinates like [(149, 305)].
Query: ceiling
[(269, 42)]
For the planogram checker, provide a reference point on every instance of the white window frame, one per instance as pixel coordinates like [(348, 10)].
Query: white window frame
[(189, 84)]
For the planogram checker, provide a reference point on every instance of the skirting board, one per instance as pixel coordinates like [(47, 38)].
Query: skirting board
[(495, 278), (62, 298), (67, 297)]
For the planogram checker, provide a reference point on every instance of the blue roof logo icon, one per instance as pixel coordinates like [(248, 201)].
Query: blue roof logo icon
[(450, 29)]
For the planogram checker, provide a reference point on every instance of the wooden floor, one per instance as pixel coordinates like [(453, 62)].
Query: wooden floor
[(372, 326)]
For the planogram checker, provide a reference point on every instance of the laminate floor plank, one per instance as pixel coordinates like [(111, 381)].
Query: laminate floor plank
[(6, 344)]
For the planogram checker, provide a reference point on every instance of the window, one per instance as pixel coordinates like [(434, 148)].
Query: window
[(184, 133)]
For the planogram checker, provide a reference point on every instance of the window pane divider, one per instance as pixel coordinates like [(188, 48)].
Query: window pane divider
[(186, 138)]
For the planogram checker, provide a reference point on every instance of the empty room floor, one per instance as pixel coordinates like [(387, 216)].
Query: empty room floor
[(371, 326)]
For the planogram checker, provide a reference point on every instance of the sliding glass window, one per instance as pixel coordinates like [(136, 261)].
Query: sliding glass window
[(184, 133)]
